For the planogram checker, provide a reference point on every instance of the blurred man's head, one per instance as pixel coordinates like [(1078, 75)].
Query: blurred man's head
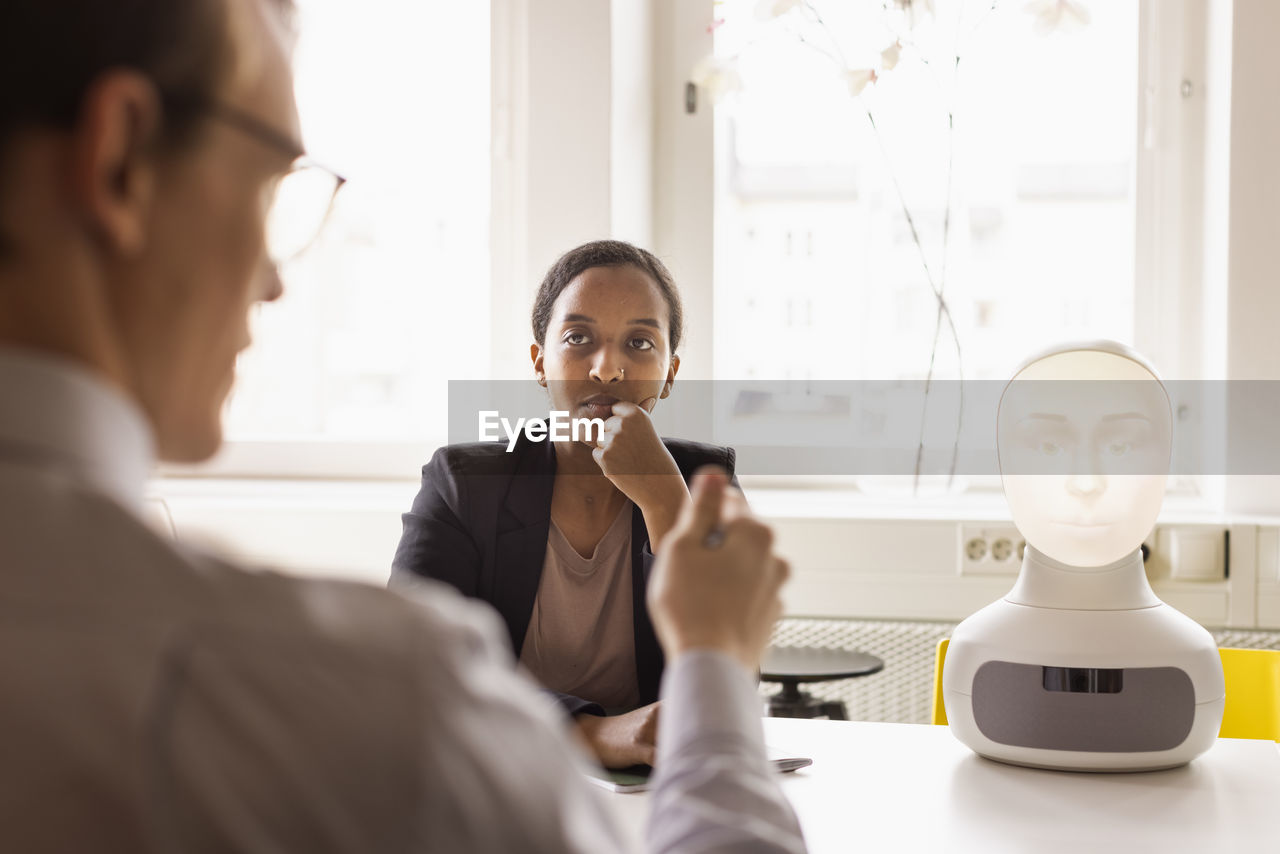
[(140, 141)]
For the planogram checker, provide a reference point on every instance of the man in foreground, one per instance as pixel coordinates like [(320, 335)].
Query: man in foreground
[(157, 699)]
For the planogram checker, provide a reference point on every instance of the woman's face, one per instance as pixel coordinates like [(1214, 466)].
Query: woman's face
[(607, 341)]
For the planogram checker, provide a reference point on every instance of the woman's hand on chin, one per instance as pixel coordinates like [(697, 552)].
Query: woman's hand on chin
[(630, 453), (620, 741)]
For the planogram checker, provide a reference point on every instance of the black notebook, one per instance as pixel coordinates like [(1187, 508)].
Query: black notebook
[(636, 778)]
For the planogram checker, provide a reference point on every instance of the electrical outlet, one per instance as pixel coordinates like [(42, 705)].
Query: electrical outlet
[(1269, 555), (990, 549)]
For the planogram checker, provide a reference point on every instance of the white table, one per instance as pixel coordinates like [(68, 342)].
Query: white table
[(904, 788)]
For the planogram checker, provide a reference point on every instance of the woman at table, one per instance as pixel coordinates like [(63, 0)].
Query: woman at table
[(560, 536)]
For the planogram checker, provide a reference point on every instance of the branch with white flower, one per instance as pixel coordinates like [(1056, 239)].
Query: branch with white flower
[(1054, 15), (718, 77)]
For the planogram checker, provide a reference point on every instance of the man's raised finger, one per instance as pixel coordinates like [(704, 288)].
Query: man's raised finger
[(735, 504), (701, 516)]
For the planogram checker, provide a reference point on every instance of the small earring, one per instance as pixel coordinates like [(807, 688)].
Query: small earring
[(622, 372)]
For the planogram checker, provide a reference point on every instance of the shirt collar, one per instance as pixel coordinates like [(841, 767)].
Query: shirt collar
[(57, 413)]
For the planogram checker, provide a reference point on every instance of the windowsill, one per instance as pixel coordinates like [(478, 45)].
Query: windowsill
[(261, 492), (984, 506), (768, 500)]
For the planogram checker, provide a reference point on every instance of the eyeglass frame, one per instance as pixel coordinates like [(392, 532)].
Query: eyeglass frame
[(266, 134)]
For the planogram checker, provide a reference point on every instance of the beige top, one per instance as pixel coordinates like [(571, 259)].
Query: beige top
[(581, 635)]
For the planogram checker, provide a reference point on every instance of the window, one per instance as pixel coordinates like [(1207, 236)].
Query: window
[(395, 96), (1029, 182), (833, 234)]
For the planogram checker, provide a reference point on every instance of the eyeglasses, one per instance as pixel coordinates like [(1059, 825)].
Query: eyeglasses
[(300, 206), (301, 199)]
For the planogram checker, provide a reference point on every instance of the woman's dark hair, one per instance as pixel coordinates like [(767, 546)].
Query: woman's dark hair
[(605, 253)]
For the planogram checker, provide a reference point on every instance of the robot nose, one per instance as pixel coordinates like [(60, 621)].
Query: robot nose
[(1086, 484)]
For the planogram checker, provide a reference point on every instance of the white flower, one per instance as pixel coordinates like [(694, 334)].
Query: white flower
[(767, 10), (1051, 15), (890, 55), (858, 78), (717, 77)]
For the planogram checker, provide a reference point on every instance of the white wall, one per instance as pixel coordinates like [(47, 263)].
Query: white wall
[(1254, 206), (578, 164), (631, 122), (1253, 211)]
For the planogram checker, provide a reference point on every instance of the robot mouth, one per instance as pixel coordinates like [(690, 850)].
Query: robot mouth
[(1084, 529)]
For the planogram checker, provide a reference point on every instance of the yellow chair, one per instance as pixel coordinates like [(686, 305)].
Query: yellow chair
[(1253, 692), (939, 710)]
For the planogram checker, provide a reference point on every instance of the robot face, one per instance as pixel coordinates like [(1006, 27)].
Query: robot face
[(1084, 438)]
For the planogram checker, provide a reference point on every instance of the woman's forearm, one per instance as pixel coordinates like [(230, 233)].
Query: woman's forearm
[(661, 507)]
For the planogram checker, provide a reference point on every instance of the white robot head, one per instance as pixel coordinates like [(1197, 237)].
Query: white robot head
[(1084, 437)]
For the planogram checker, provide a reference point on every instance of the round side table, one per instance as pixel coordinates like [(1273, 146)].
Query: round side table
[(791, 665)]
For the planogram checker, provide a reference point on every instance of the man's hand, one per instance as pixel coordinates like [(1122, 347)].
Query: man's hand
[(620, 741), (716, 582)]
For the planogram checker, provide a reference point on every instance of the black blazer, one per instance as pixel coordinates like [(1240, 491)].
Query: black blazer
[(480, 523)]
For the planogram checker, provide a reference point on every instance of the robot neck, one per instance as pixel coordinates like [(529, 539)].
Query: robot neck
[(1047, 583)]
